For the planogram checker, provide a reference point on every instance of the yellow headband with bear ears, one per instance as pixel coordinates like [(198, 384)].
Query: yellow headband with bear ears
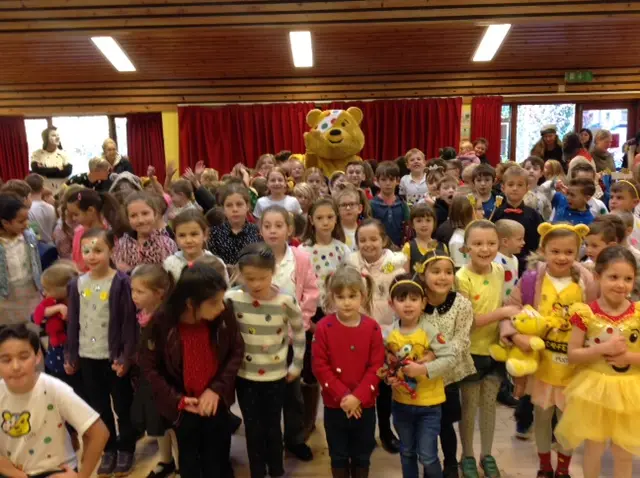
[(580, 230), (436, 252)]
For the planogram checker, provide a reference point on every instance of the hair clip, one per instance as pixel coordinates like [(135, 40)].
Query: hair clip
[(472, 199), (434, 167), (266, 253), (79, 196)]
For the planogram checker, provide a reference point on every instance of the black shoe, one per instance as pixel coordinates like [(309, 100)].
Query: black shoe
[(507, 400), (390, 443), (450, 471), (301, 451), (166, 469), (544, 474), (234, 423)]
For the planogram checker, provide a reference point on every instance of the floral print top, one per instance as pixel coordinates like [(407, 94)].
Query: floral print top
[(128, 252)]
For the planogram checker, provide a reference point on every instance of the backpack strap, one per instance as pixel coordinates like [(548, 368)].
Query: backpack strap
[(528, 287)]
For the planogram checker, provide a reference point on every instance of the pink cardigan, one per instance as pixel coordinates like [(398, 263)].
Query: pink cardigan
[(307, 292)]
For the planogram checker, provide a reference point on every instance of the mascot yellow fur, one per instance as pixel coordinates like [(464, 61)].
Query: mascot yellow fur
[(527, 322), (335, 139)]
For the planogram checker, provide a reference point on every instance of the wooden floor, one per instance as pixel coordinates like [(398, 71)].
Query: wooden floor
[(515, 458)]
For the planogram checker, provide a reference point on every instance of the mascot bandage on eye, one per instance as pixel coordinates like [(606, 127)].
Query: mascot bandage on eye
[(440, 251), (545, 228)]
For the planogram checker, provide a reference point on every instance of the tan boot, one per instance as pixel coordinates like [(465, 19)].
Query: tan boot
[(311, 399)]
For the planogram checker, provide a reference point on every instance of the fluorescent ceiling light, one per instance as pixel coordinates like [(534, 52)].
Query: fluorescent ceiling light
[(301, 49), (491, 41), (112, 52)]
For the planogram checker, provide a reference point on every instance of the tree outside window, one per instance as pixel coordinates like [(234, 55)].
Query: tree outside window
[(531, 118)]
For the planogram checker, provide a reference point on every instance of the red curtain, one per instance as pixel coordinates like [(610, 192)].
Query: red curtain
[(145, 143), (486, 116), (224, 136), (14, 152), (392, 127)]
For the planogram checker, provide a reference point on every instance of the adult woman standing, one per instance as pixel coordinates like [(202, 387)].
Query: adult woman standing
[(572, 147), (549, 146), (586, 138), (600, 152), (118, 163), (51, 161)]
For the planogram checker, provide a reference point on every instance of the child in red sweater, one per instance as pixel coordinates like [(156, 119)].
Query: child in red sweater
[(347, 352)]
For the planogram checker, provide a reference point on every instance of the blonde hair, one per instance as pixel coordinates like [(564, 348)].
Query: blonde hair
[(602, 134), (507, 227), (348, 277), (98, 164), (556, 168), (515, 171), (462, 212), (210, 177), (305, 190), (413, 151), (467, 173), (466, 146), (59, 274), (262, 159)]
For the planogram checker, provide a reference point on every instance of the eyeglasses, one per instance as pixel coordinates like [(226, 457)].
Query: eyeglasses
[(348, 205)]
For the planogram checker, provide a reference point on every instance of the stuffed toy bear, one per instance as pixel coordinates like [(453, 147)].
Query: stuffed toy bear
[(527, 322), (335, 139), (396, 358)]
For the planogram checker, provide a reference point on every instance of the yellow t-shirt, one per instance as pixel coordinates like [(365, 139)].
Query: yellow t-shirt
[(485, 294), (554, 367), (413, 346)]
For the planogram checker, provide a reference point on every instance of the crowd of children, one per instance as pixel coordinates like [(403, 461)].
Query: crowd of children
[(381, 295)]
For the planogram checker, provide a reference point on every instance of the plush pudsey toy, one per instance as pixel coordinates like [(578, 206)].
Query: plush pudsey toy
[(395, 359), (335, 139), (527, 322)]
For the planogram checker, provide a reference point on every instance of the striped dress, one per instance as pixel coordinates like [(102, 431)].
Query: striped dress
[(264, 325)]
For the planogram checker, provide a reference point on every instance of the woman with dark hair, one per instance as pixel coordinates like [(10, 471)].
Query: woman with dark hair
[(51, 161), (586, 138), (549, 146), (572, 147)]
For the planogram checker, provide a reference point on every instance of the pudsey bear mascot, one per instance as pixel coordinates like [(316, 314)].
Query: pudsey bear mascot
[(335, 139)]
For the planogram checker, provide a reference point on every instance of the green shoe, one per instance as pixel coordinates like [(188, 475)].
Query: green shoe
[(490, 467), (469, 467)]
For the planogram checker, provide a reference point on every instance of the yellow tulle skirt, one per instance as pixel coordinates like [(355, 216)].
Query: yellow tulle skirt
[(601, 407)]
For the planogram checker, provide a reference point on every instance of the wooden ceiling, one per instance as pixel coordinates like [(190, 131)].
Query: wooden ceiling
[(189, 51)]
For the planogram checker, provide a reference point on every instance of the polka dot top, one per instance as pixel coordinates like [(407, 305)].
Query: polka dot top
[(326, 259)]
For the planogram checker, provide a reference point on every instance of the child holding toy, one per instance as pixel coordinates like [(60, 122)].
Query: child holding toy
[(556, 282)]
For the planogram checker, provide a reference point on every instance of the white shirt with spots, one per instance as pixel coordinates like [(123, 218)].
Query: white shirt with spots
[(510, 266)]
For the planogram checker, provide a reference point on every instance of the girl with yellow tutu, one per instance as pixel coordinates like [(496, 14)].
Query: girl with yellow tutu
[(603, 399)]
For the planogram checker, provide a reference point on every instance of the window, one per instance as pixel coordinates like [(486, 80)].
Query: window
[(121, 135), (531, 118), (34, 128), (615, 120), (81, 138), (505, 133)]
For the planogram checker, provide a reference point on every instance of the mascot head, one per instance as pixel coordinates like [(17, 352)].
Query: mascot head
[(335, 134)]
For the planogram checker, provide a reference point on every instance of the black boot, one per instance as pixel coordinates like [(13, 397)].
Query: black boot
[(340, 472), (360, 472), (311, 399), (389, 442)]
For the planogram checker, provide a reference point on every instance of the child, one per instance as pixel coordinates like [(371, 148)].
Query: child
[(386, 206), (356, 173), (373, 259), (417, 405), (305, 195), (352, 206), (264, 314), (553, 170), (584, 169), (181, 192), (624, 197), (467, 175), (434, 175), (511, 236), (316, 179), (515, 187), (92, 210), (480, 147), (604, 231), (35, 405), (51, 315), (102, 334), (228, 239), (265, 164), (347, 352), (191, 360), (150, 286), (574, 208), (551, 286), (481, 281), (423, 222), (446, 190), (20, 267), (464, 210), (277, 184), (604, 340), (63, 231), (467, 156), (537, 197), (337, 182), (41, 213), (295, 276), (482, 180), (413, 186), (19, 189), (296, 170), (191, 230), (452, 314), (454, 169), (145, 244)]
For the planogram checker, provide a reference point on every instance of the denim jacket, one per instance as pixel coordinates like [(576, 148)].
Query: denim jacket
[(36, 268)]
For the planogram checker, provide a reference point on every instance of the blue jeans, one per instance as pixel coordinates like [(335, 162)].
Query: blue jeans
[(418, 429)]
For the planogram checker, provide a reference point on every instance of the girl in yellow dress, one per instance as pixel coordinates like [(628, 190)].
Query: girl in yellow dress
[(603, 399)]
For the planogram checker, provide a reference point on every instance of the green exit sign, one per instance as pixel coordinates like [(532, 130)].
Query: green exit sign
[(578, 76)]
